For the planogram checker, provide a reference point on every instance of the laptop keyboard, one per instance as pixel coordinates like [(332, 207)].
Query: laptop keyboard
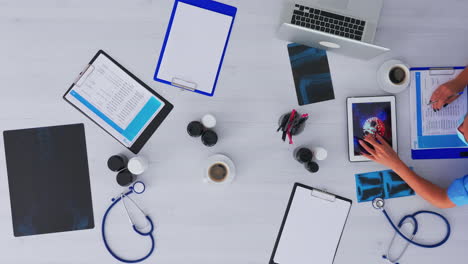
[(327, 22)]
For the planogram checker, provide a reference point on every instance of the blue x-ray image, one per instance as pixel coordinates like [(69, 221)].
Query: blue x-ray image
[(380, 184)]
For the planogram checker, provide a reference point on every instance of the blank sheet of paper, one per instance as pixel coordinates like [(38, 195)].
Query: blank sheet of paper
[(195, 47), (312, 229)]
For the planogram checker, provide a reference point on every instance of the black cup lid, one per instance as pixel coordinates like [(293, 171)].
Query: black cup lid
[(312, 166), (209, 138), (116, 163), (124, 178), (195, 129), (304, 155)]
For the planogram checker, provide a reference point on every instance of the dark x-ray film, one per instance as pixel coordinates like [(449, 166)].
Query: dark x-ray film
[(48, 178), (311, 74)]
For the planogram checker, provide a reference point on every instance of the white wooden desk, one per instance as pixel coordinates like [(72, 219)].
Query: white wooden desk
[(44, 44)]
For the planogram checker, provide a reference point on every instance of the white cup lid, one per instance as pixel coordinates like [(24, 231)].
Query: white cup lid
[(136, 166), (320, 153), (209, 121)]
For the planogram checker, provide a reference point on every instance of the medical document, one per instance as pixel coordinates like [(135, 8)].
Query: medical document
[(443, 122), (113, 99)]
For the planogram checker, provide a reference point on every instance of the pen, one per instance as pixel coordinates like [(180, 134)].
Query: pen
[(291, 118), (453, 95), (298, 122)]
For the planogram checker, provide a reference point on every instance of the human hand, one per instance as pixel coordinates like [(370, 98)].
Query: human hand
[(382, 153), (446, 93)]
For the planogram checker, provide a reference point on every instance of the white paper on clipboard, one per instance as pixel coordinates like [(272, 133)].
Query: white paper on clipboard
[(312, 230), (443, 122), (195, 47)]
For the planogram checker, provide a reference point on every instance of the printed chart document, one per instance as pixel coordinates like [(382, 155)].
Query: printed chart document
[(115, 100), (429, 129), (443, 122)]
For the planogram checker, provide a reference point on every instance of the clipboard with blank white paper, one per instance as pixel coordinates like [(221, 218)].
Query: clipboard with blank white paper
[(194, 46), (312, 227)]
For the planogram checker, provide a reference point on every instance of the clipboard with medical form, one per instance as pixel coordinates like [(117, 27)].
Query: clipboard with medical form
[(118, 102), (434, 133)]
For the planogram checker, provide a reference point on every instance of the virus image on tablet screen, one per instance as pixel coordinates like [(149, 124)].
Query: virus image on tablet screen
[(371, 119)]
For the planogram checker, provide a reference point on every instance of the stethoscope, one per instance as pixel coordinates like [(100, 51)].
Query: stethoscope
[(378, 203), (138, 188)]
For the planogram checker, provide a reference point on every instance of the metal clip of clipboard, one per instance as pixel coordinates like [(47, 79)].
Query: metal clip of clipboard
[(84, 74), (323, 195), (442, 71), (191, 86)]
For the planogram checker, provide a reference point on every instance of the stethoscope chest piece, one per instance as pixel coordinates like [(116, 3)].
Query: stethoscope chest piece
[(378, 203)]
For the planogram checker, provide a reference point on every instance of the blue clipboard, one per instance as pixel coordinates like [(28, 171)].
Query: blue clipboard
[(433, 146), (187, 84)]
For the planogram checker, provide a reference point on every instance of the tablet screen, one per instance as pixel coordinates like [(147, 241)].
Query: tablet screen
[(114, 100), (370, 118)]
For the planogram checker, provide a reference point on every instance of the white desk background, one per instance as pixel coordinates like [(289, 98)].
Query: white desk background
[(44, 44)]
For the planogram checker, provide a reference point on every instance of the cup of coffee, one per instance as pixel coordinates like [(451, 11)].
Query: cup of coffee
[(393, 76), (218, 172), (219, 169), (397, 75)]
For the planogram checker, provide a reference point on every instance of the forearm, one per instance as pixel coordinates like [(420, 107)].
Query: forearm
[(462, 78), (430, 192)]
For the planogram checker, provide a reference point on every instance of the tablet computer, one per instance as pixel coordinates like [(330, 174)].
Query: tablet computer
[(117, 101), (370, 116)]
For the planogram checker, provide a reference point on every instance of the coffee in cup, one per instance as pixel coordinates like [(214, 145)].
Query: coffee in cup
[(397, 75), (218, 172), (219, 169), (393, 76)]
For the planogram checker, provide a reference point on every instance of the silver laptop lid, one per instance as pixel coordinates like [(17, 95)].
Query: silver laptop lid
[(320, 40)]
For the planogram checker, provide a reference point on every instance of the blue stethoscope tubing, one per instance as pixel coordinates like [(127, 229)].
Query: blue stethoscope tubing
[(413, 217), (148, 234)]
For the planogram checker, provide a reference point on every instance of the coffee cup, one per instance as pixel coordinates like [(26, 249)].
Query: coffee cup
[(393, 76), (218, 172), (219, 169), (397, 75)]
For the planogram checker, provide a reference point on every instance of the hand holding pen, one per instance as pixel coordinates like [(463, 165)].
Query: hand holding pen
[(446, 94)]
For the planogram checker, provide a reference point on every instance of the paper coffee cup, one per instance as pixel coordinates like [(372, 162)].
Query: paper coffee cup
[(393, 76)]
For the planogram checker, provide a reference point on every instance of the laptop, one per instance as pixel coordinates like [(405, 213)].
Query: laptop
[(344, 26)]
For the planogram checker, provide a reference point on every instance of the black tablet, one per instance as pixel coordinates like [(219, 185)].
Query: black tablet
[(119, 102)]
